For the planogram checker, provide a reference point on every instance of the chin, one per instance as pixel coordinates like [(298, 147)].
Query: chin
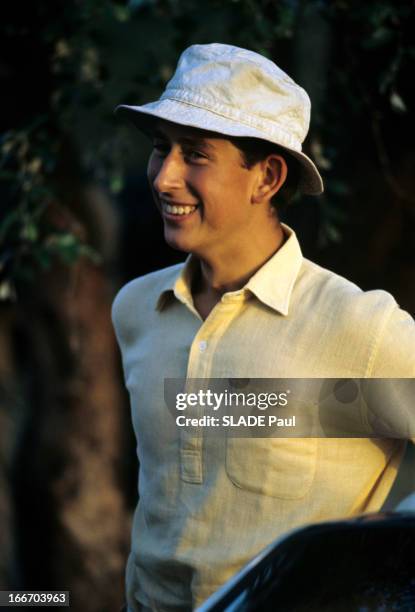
[(178, 243)]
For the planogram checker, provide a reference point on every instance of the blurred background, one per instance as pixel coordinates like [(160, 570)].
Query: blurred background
[(77, 223)]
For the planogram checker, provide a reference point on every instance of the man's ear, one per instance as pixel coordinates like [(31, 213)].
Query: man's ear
[(273, 174)]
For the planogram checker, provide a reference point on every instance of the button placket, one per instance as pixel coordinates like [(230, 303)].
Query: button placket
[(191, 443), (200, 367)]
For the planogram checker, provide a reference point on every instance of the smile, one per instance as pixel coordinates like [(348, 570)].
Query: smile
[(178, 210)]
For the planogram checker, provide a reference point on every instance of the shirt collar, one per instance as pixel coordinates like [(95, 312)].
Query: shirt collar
[(272, 284), (178, 284)]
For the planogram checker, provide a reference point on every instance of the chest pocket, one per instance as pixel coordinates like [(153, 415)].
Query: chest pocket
[(281, 468)]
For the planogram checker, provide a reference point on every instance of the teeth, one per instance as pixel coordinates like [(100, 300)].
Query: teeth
[(178, 210)]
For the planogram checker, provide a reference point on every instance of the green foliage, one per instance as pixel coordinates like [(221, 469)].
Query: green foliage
[(95, 54), (29, 240)]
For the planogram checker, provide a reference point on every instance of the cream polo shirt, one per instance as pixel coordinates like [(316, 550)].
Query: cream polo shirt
[(207, 505)]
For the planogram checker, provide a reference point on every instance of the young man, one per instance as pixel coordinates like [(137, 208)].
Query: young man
[(227, 136)]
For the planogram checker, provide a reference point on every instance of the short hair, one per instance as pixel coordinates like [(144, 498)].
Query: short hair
[(254, 150)]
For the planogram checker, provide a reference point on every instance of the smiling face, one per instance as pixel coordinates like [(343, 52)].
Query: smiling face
[(203, 191)]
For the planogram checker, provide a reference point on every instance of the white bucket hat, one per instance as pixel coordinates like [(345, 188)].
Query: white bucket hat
[(235, 92)]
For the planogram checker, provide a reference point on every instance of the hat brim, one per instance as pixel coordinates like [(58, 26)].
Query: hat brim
[(182, 113)]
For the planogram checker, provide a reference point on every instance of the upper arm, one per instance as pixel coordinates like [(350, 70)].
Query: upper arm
[(394, 353), (392, 401)]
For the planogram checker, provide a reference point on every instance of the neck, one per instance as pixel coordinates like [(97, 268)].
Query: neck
[(223, 272)]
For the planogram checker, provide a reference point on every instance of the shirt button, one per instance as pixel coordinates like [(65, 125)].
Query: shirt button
[(202, 345)]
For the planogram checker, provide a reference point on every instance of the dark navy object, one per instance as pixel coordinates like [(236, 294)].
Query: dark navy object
[(366, 564)]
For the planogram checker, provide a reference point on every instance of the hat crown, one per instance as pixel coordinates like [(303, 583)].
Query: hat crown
[(244, 86), (238, 93)]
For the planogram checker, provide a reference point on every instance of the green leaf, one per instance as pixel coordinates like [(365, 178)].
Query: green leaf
[(29, 232), (397, 102), (42, 257), (7, 291), (90, 253)]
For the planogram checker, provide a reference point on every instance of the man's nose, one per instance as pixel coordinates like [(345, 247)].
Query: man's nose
[(170, 174)]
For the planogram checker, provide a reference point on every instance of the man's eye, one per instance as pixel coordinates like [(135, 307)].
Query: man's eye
[(195, 155)]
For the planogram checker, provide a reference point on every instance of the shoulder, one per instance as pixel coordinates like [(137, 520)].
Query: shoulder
[(361, 318), (142, 293), (337, 294)]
